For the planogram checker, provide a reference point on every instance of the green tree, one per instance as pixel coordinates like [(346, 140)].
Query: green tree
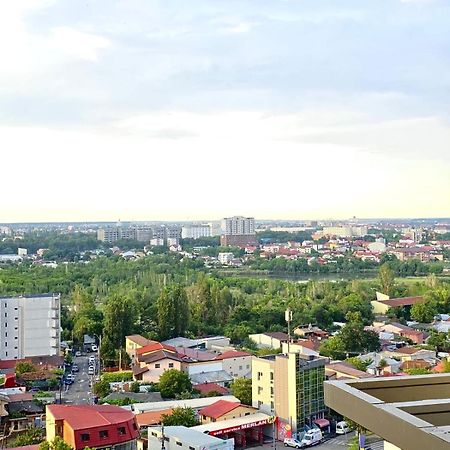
[(355, 338), (439, 340), (172, 312), (173, 382), (31, 436), (24, 367), (180, 416), (242, 389), (120, 317), (57, 443), (386, 279), (424, 311), (333, 348), (101, 389), (359, 364)]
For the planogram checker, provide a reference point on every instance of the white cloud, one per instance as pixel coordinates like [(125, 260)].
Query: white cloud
[(242, 27), (78, 44)]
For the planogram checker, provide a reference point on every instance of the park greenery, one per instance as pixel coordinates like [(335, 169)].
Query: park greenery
[(165, 295)]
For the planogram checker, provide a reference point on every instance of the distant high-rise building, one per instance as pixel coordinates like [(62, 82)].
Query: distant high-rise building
[(195, 231), (238, 231), (29, 326), (110, 235)]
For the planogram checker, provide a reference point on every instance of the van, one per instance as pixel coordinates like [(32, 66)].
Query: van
[(312, 437), (342, 427)]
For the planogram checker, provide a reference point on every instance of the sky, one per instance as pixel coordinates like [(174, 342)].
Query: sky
[(177, 110)]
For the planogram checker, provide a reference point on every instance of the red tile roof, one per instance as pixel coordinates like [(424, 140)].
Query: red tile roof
[(25, 397), (218, 409), (407, 350), (233, 354), (140, 340), (158, 356), (152, 417), (81, 417), (154, 348), (405, 301), (206, 388)]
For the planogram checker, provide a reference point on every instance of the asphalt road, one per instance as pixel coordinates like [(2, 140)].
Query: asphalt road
[(337, 443), (80, 391)]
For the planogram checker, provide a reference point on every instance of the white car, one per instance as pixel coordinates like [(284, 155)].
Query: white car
[(91, 370), (342, 427), (94, 348), (291, 442)]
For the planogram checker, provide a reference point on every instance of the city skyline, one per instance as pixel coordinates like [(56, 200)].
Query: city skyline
[(158, 111)]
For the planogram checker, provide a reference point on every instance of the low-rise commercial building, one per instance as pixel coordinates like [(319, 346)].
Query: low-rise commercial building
[(289, 386), (95, 426), (183, 438)]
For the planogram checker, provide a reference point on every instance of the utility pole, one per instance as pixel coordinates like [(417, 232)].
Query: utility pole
[(274, 431), (288, 318), (163, 438)]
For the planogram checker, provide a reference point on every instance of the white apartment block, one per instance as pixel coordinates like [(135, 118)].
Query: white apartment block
[(30, 326), (196, 231), (238, 225)]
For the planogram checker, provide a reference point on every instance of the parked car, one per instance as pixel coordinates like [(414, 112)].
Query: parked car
[(94, 348), (291, 442), (91, 370), (78, 353), (342, 427), (312, 437), (75, 368)]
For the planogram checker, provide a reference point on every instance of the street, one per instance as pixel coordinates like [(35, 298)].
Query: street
[(337, 443), (80, 391)]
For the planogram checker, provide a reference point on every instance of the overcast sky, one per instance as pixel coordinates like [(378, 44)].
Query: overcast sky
[(175, 109)]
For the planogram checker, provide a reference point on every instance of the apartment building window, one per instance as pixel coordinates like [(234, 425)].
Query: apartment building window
[(170, 365), (248, 366), (6, 314), (85, 437), (272, 406), (154, 434), (259, 375), (271, 390), (103, 434), (240, 367), (271, 377), (191, 448), (179, 443), (260, 389), (157, 366)]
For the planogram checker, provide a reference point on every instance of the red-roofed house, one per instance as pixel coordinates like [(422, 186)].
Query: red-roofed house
[(383, 303), (95, 426), (238, 364), (154, 347), (135, 342), (223, 410), (209, 388), (150, 365)]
